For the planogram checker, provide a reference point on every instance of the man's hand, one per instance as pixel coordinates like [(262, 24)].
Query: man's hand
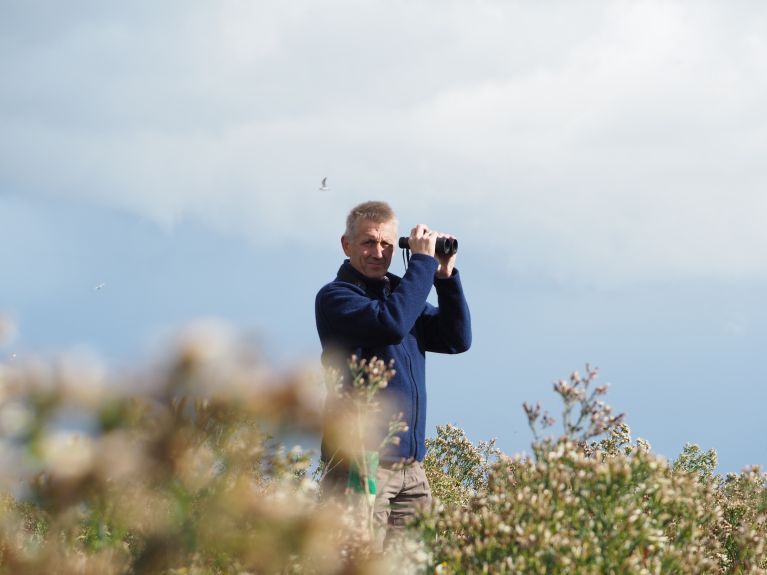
[(423, 241), (446, 261)]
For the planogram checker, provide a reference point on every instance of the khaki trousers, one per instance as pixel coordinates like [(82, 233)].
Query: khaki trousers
[(400, 494)]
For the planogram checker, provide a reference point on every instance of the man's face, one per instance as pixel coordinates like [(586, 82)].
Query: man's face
[(371, 249)]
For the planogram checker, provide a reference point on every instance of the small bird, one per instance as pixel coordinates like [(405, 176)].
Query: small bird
[(324, 184), (100, 286)]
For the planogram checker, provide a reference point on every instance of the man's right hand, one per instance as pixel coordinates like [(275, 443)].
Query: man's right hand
[(422, 240)]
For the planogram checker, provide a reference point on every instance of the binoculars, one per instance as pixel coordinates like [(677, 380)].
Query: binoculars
[(445, 246)]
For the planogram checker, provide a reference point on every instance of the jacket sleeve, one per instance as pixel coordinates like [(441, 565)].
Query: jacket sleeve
[(447, 329), (347, 314)]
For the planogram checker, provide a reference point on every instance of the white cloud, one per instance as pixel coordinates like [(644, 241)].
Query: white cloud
[(603, 141)]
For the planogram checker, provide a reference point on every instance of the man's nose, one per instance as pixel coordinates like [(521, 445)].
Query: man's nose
[(379, 250)]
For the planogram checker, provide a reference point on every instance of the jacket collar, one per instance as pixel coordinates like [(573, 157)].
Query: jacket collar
[(374, 287)]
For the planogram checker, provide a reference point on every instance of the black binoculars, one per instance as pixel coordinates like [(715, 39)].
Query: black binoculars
[(445, 246)]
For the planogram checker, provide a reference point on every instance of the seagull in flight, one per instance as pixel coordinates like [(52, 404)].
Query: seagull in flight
[(324, 184), (100, 286)]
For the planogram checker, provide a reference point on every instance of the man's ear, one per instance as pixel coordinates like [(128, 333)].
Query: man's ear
[(345, 244)]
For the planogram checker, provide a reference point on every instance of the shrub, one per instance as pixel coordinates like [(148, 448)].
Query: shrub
[(174, 471), (456, 468), (185, 469), (590, 501)]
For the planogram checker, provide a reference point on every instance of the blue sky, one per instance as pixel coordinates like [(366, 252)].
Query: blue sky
[(601, 164)]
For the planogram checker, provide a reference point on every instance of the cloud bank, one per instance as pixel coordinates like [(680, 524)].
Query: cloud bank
[(605, 141)]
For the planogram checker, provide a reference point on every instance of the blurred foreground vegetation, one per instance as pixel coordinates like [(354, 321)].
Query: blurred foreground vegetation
[(181, 469)]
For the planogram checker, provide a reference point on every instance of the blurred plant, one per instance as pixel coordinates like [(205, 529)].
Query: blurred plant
[(176, 471), (182, 470), (356, 432)]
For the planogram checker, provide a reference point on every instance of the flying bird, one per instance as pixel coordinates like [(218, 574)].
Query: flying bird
[(323, 185), (98, 287)]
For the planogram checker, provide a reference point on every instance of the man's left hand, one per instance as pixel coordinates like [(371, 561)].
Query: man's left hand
[(446, 262)]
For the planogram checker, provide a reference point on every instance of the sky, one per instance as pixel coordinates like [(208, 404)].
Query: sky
[(600, 162)]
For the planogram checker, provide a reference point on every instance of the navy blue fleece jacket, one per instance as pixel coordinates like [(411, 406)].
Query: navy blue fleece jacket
[(391, 319)]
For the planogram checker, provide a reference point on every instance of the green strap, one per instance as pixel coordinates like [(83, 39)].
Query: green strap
[(355, 481)]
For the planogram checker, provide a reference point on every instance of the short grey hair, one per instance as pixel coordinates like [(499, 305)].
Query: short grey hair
[(374, 211)]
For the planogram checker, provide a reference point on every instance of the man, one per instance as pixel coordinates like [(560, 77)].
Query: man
[(369, 312)]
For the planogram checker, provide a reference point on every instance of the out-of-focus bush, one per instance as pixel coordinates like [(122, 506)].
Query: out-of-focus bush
[(182, 470), (177, 470)]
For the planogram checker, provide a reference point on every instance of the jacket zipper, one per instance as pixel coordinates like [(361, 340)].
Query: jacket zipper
[(414, 395)]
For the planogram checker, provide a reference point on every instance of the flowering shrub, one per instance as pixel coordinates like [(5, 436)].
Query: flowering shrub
[(177, 471), (456, 468), (590, 501), (185, 469), (568, 512)]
